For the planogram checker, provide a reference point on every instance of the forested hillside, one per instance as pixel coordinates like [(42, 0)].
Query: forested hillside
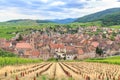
[(108, 17)]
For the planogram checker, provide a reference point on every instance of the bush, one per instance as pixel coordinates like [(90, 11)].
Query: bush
[(15, 60), (52, 59), (6, 54), (109, 60)]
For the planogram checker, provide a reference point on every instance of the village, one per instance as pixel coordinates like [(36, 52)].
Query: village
[(64, 43)]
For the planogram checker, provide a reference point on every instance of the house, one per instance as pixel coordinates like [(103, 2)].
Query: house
[(45, 55), (68, 53), (69, 48), (60, 55), (2, 42), (65, 56), (7, 45), (35, 54), (117, 37), (57, 48), (80, 51), (94, 28), (109, 42), (23, 49), (71, 56), (95, 44), (110, 31)]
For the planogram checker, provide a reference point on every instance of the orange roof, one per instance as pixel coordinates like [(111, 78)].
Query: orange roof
[(82, 41), (95, 44), (110, 31), (35, 53), (80, 51), (70, 48), (27, 53), (7, 44), (57, 46), (23, 45), (40, 44)]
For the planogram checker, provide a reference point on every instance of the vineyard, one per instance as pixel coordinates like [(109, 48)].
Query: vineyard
[(61, 71), (15, 61), (108, 60)]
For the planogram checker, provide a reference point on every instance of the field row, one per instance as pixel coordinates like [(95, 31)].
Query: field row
[(61, 71)]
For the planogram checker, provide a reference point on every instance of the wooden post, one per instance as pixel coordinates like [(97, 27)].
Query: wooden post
[(34, 78), (87, 78), (5, 74), (119, 77), (16, 78), (37, 74)]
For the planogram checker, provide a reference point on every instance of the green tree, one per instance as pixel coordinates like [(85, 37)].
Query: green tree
[(99, 51), (19, 38), (112, 38), (104, 35), (6, 54)]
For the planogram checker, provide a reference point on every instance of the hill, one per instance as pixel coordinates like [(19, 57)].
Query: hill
[(37, 22), (108, 17), (24, 22), (64, 21), (112, 19), (28, 21)]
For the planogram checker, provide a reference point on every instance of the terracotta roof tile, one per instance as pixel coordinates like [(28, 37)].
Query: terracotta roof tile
[(7, 44), (80, 51), (95, 44), (57, 46), (70, 48), (35, 53), (23, 45)]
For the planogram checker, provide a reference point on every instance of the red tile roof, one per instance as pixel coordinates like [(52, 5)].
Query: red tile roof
[(70, 48), (56, 46), (80, 51), (40, 44), (35, 53), (95, 44), (27, 53), (23, 45), (82, 41), (7, 44)]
